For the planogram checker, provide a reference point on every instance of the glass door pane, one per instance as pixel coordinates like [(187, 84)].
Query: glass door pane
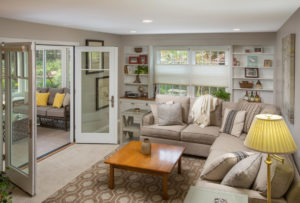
[(96, 84)]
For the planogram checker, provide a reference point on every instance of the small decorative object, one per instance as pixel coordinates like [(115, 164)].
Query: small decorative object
[(267, 63), (94, 60), (220, 200), (258, 85), (125, 69), (247, 50), (251, 73), (137, 110), (234, 61), (133, 60), (146, 147), (137, 79), (141, 89), (258, 50), (138, 49), (238, 63), (246, 84), (143, 59), (246, 97), (252, 61), (257, 98), (252, 99), (141, 70)]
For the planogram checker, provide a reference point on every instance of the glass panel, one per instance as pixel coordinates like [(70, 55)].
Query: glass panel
[(69, 68), (53, 68), (39, 68), (19, 117), (206, 57), (179, 90), (95, 100), (173, 57), (95, 62), (202, 90)]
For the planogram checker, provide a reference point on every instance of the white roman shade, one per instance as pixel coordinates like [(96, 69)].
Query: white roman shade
[(172, 74)]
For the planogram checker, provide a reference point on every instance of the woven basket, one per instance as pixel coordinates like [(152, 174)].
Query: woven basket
[(246, 84)]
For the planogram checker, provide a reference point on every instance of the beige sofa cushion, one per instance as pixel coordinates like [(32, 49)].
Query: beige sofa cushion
[(243, 174), (228, 105), (233, 122), (169, 114), (166, 132), (155, 112), (282, 176), (148, 119), (194, 133), (228, 143), (184, 101), (55, 112), (252, 110), (42, 110), (218, 168)]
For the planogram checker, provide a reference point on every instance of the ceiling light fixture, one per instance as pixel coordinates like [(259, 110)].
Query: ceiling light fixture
[(132, 31), (236, 29), (147, 21)]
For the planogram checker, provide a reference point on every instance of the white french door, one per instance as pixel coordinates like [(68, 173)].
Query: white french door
[(17, 89), (96, 94)]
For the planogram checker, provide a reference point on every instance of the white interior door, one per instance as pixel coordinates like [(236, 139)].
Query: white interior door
[(18, 72), (96, 94)]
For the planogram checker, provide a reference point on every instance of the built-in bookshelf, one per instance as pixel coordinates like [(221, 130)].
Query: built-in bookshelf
[(253, 63)]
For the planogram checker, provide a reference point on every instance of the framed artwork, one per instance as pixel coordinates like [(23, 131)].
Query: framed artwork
[(251, 73), (252, 61), (288, 65), (258, 50), (94, 60), (267, 63), (102, 92), (143, 59), (133, 60)]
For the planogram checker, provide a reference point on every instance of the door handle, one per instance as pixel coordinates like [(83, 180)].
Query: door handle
[(112, 101)]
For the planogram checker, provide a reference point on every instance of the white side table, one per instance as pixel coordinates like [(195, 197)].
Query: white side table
[(131, 122), (205, 195)]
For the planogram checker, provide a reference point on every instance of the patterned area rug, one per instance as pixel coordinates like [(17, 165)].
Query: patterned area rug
[(130, 187)]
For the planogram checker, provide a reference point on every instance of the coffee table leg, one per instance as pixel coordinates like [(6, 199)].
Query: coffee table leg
[(179, 166), (165, 186), (112, 177)]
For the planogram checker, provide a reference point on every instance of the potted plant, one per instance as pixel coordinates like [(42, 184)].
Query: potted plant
[(6, 188), (222, 94)]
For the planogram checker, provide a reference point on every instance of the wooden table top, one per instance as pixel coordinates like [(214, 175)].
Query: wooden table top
[(163, 157)]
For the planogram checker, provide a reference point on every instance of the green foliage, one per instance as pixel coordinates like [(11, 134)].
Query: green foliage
[(141, 70), (5, 188), (222, 94)]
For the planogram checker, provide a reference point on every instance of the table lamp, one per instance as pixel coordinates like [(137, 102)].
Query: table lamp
[(270, 134)]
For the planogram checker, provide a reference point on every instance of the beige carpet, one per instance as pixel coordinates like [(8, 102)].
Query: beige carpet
[(92, 185)]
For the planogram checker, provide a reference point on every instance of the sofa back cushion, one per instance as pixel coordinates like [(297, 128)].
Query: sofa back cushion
[(228, 105), (215, 116), (42, 89), (53, 92), (252, 110), (184, 101), (169, 114), (269, 108)]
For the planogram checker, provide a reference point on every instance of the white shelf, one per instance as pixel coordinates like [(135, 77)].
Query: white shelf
[(132, 128), (261, 90), (127, 83), (253, 67), (136, 54), (146, 75), (243, 78), (253, 53), (140, 64)]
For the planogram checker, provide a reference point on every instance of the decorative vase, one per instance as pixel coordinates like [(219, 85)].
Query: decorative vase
[(146, 147)]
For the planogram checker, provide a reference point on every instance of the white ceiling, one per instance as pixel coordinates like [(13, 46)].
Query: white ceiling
[(169, 16)]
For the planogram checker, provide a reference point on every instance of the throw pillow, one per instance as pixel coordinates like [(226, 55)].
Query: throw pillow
[(169, 114), (282, 175), (252, 110), (66, 100), (53, 92), (42, 98), (58, 100), (218, 168), (243, 174), (233, 122), (154, 110)]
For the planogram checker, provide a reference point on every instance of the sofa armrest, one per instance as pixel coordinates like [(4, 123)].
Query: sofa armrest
[(148, 119)]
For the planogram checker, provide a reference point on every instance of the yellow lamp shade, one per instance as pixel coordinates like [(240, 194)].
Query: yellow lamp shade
[(270, 134)]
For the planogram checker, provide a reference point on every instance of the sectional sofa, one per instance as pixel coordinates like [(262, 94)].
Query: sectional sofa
[(208, 142)]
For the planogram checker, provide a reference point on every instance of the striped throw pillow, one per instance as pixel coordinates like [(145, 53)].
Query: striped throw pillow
[(233, 122), (252, 110)]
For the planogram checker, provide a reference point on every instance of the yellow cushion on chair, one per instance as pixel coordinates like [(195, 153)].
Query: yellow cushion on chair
[(42, 98), (58, 100)]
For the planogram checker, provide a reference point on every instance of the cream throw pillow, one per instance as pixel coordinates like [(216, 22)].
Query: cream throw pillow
[(218, 168), (243, 174), (169, 114), (66, 100), (233, 122), (154, 111), (282, 176)]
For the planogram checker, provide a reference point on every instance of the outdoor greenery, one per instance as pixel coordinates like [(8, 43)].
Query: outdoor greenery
[(5, 188), (142, 70), (222, 94), (173, 57), (205, 57)]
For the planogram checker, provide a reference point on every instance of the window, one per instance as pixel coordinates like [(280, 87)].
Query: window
[(173, 57), (178, 90), (202, 90), (207, 57)]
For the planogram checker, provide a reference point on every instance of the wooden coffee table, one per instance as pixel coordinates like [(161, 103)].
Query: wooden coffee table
[(161, 162)]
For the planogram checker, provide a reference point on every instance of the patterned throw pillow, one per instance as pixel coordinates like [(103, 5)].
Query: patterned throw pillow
[(252, 110), (218, 167), (58, 100), (42, 98), (233, 122), (154, 110)]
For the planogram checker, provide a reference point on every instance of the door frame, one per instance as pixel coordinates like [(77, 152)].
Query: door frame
[(112, 136)]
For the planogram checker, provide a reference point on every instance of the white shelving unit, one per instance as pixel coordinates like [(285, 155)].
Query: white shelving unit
[(146, 79), (266, 74)]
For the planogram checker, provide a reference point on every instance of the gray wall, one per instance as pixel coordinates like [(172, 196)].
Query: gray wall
[(291, 26)]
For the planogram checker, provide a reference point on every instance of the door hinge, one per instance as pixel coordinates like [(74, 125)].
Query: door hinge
[(3, 157)]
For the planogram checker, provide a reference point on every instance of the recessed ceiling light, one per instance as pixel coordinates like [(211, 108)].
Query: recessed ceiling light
[(236, 29), (147, 21), (132, 31)]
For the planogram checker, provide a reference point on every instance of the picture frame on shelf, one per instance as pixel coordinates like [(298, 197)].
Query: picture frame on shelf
[(94, 60), (102, 92), (258, 50), (133, 60), (267, 63), (251, 73), (252, 61), (143, 59)]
